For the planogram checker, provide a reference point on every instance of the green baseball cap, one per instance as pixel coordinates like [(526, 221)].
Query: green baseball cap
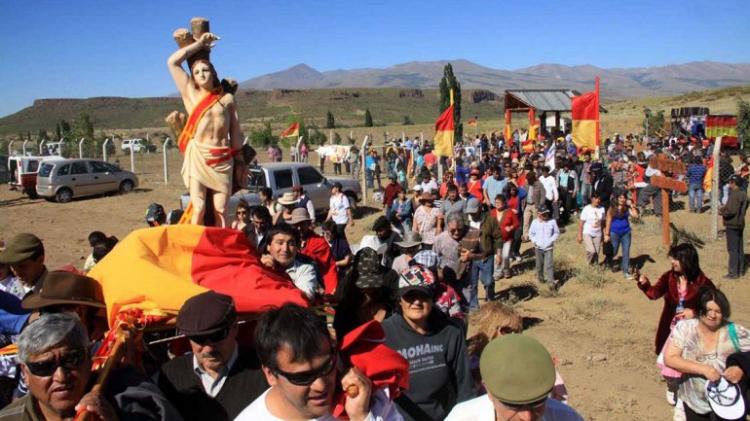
[(517, 369), (21, 247)]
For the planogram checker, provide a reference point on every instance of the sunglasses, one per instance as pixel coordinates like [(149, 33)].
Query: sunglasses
[(213, 338), (413, 295), (306, 378), (69, 361), (532, 407)]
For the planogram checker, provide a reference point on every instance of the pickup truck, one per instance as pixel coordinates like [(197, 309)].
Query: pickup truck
[(281, 176)]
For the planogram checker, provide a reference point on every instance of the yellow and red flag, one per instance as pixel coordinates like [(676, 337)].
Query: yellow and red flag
[(585, 114), (506, 131), (291, 131), (156, 269), (708, 178), (724, 126), (445, 131)]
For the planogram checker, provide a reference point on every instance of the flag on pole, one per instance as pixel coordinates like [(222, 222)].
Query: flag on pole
[(724, 126), (708, 178), (585, 113), (506, 131), (291, 131), (549, 158), (444, 131)]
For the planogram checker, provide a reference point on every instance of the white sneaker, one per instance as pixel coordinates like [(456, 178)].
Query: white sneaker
[(671, 398)]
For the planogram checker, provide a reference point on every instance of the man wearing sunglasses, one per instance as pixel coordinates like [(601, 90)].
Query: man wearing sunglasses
[(301, 364), (217, 380), (55, 363), (518, 373)]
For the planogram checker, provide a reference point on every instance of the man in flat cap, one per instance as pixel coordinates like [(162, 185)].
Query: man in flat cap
[(25, 255), (217, 380), (518, 373)]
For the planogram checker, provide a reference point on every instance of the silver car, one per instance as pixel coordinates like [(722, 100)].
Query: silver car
[(62, 180)]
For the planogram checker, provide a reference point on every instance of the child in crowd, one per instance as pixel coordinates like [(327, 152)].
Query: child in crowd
[(543, 233)]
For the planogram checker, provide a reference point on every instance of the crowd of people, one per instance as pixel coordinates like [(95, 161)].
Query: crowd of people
[(414, 276)]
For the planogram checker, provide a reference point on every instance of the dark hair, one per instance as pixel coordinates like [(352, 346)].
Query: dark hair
[(242, 204), (330, 226), (596, 194), (531, 178), (687, 255), (95, 237), (282, 228), (501, 197), (710, 294), (260, 212), (290, 325), (266, 191), (452, 188), (338, 186), (381, 223)]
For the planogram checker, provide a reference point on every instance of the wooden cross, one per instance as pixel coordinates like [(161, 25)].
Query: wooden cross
[(667, 184)]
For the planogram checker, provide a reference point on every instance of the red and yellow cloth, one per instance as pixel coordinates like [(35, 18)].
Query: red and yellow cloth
[(291, 131), (192, 123), (585, 115), (445, 131), (157, 269)]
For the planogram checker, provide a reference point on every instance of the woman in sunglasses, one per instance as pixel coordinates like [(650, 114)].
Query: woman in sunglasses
[(242, 215), (434, 346)]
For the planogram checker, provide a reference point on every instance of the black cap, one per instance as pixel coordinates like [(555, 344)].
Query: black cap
[(206, 313), (381, 223)]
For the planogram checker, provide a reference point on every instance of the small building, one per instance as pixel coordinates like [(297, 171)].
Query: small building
[(547, 105)]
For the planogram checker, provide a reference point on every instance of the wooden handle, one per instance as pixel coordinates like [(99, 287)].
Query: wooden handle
[(101, 381)]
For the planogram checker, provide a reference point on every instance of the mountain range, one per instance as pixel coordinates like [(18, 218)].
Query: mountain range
[(615, 82)]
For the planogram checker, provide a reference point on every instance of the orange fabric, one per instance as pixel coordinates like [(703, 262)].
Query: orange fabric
[(364, 348), (585, 114), (475, 189), (157, 269), (291, 131), (318, 249), (189, 131)]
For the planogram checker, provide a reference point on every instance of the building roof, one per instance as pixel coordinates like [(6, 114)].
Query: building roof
[(541, 99)]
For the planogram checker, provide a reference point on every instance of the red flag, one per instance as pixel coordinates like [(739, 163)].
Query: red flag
[(585, 114), (291, 131), (444, 133)]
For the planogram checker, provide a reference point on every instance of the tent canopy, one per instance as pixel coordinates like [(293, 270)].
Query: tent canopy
[(541, 100)]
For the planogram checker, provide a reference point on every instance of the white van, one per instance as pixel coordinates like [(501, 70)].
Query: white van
[(138, 145)]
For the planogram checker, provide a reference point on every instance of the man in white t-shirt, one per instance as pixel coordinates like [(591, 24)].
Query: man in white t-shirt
[(339, 209), (590, 228), (300, 363), (518, 373)]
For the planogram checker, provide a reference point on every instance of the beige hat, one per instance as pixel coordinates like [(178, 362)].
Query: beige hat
[(288, 198), (299, 215)]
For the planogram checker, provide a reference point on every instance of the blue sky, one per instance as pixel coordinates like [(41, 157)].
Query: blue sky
[(82, 48)]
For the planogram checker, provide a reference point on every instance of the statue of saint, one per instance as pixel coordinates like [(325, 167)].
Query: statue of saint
[(211, 139)]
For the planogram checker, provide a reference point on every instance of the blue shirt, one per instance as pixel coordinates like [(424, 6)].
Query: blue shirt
[(494, 187), (12, 316), (695, 173)]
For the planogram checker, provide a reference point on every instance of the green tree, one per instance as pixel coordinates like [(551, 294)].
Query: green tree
[(655, 122), (263, 136), (336, 138), (330, 123), (65, 130), (58, 132), (407, 121), (82, 128), (447, 83), (743, 123), (368, 118)]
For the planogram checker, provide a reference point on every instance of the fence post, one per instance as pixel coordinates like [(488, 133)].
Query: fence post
[(104, 150), (23, 146), (10, 147), (247, 139), (715, 190), (41, 146), (363, 169), (164, 154), (80, 147), (132, 158)]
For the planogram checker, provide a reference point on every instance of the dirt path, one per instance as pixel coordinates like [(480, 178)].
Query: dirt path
[(600, 327)]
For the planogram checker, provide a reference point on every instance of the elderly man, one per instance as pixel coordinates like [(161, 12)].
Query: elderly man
[(482, 243), (56, 365), (301, 365), (216, 381), (282, 254), (518, 373), (25, 255)]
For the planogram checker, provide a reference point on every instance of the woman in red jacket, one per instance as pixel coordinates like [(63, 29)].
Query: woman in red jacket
[(680, 288), (509, 223)]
